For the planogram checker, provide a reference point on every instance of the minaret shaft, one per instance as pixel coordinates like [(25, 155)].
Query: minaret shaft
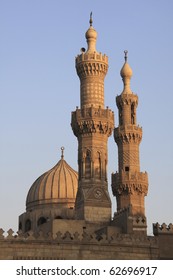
[(92, 124), (129, 185)]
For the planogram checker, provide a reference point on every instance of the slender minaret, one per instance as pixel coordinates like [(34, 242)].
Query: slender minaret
[(129, 185), (92, 124)]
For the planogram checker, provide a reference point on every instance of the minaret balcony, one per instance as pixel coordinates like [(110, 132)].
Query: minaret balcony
[(92, 120), (128, 133), (129, 182)]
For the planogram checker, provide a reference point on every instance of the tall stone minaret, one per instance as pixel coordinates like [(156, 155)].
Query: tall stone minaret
[(129, 185), (92, 124)]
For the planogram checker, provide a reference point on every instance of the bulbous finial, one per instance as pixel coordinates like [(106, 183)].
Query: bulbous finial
[(62, 152), (126, 74), (91, 36)]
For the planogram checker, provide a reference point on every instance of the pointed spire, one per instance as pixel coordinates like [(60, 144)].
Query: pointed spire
[(126, 74), (91, 20)]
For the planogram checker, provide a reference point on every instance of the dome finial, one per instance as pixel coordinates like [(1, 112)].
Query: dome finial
[(62, 152), (91, 20), (125, 57)]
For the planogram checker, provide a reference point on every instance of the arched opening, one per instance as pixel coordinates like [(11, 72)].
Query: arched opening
[(41, 220), (133, 117), (27, 225), (120, 115), (88, 165), (97, 164)]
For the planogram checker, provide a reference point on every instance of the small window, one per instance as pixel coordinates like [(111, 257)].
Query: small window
[(126, 168), (41, 221)]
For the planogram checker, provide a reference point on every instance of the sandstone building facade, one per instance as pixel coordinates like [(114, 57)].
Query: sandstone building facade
[(68, 213)]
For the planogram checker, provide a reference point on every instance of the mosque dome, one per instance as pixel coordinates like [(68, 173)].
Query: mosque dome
[(55, 188)]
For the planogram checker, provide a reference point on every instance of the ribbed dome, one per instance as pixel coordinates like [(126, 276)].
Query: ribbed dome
[(56, 186)]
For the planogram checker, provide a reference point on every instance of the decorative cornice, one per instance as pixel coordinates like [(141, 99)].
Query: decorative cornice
[(126, 189), (92, 120), (129, 183), (92, 69), (126, 99), (128, 134)]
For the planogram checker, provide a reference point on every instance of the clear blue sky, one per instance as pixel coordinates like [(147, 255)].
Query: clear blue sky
[(39, 88)]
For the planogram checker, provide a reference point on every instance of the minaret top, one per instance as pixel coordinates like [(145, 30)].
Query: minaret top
[(91, 36), (126, 74)]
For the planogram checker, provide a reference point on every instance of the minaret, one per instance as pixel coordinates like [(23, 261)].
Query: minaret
[(92, 124), (129, 185)]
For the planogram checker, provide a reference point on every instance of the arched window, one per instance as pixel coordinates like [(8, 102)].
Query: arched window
[(133, 117), (27, 225), (97, 164), (41, 220), (88, 164), (120, 115)]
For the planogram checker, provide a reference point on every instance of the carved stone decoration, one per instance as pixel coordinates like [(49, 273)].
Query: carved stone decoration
[(130, 137), (86, 237), (67, 236), (10, 234), (58, 236), (91, 126), (98, 193), (30, 235), (92, 68), (92, 120), (76, 237), (130, 189)]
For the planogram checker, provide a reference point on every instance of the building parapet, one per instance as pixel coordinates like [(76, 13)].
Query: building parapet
[(162, 229), (76, 238)]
